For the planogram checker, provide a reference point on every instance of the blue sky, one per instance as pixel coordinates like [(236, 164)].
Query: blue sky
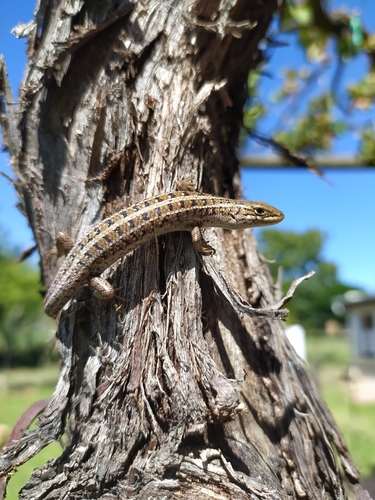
[(344, 207)]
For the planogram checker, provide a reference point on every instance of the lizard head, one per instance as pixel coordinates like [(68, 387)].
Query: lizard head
[(244, 214)]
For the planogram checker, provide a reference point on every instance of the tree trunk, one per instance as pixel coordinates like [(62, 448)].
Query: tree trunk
[(167, 391)]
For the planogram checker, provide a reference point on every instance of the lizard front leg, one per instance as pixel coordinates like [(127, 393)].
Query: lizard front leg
[(200, 244)]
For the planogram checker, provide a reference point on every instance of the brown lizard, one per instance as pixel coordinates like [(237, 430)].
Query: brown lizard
[(124, 231)]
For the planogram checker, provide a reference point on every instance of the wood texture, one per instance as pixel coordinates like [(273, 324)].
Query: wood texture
[(172, 393)]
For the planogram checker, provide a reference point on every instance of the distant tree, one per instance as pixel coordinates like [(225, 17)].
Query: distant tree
[(297, 254), (23, 323), (19, 284)]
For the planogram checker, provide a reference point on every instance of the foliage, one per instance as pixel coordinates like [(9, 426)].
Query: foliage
[(297, 254), (363, 92), (254, 109), (24, 328), (315, 105), (19, 285), (315, 130), (368, 147)]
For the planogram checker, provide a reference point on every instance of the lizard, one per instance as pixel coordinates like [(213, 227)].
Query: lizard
[(129, 228)]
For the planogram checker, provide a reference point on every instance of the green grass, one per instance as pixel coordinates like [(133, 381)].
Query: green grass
[(328, 350), (329, 359), (19, 389)]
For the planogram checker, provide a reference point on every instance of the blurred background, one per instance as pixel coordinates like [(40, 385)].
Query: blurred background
[(311, 103)]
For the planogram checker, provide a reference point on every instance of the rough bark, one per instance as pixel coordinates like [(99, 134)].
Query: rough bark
[(167, 391)]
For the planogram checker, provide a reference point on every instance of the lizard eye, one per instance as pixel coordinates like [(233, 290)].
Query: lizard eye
[(259, 211)]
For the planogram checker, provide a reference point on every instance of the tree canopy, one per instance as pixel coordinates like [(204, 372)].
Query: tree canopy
[(323, 99)]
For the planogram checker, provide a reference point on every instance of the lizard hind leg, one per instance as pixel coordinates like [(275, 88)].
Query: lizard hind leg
[(63, 245), (102, 288)]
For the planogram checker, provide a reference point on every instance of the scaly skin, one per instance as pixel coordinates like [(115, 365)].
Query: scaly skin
[(126, 230)]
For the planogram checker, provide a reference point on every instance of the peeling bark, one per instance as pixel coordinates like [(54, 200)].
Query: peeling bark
[(168, 391)]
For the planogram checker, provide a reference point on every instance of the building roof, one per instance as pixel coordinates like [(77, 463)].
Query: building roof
[(368, 301)]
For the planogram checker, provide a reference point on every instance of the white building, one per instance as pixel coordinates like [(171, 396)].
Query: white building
[(361, 326)]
